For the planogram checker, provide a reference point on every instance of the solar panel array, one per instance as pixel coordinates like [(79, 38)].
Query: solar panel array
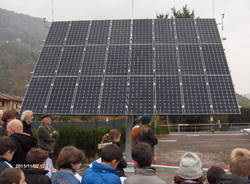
[(130, 67)]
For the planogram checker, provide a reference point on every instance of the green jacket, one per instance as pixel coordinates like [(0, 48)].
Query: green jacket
[(46, 137)]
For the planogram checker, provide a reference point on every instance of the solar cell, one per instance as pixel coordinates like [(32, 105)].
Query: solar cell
[(142, 59), (208, 31), (141, 95), (99, 32), (166, 59), (164, 31), (195, 93), (36, 94), (215, 60), (168, 95), (223, 95), (57, 33), (48, 61), (70, 62), (87, 96), (186, 32), (117, 63), (120, 32), (142, 31), (78, 33), (190, 59), (114, 96), (61, 95)]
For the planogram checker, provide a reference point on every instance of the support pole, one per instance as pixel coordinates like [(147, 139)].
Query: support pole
[(129, 126)]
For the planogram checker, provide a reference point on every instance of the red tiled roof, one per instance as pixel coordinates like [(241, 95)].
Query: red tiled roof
[(4, 96)]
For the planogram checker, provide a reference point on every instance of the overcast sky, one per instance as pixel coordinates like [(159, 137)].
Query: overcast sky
[(236, 22)]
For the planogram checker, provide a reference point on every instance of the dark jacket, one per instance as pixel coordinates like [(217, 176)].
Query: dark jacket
[(46, 141), (2, 131), (36, 176), (230, 179), (23, 144), (144, 176), (100, 174), (3, 164), (27, 128), (149, 138)]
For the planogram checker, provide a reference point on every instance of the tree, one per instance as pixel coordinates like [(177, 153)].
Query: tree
[(184, 13)]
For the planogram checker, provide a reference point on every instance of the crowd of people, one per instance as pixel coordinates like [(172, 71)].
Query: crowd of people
[(23, 159)]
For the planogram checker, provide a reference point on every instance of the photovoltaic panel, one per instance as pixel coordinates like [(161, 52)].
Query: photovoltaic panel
[(57, 33), (186, 32), (215, 60), (168, 98), (117, 63), (141, 95), (195, 92), (120, 32), (164, 31), (99, 32), (223, 95), (208, 31), (114, 95), (61, 95), (48, 61), (37, 94), (78, 33), (142, 59), (86, 101), (190, 59), (126, 67), (166, 59), (93, 63), (142, 31), (70, 61)]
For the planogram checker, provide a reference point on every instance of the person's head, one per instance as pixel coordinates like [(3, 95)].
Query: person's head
[(12, 176), (239, 162), (111, 155), (9, 116), (27, 116), (145, 119), (70, 158), (142, 155), (46, 119), (7, 148), (14, 126), (113, 135), (190, 167), (214, 174), (37, 158)]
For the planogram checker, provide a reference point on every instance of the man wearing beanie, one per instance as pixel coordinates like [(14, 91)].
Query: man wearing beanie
[(190, 170), (145, 134)]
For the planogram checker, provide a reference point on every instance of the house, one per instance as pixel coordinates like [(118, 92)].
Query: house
[(10, 102)]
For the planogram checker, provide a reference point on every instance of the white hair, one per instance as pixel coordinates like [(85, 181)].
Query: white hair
[(25, 113)]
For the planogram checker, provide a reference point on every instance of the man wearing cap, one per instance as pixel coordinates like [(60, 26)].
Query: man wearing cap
[(47, 134)]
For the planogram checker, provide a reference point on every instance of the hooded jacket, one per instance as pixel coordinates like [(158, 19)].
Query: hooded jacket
[(23, 144), (144, 176), (36, 176), (230, 179), (4, 164), (100, 174)]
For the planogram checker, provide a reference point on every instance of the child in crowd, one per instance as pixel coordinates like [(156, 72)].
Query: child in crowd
[(104, 172), (69, 161), (142, 156), (35, 163), (113, 137), (145, 134), (190, 170), (239, 166), (12, 176), (214, 174), (7, 150)]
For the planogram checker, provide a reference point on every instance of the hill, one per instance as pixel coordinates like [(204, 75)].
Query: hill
[(243, 101), (24, 28), (247, 95)]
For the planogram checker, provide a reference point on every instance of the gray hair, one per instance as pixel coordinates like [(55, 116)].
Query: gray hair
[(24, 114)]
